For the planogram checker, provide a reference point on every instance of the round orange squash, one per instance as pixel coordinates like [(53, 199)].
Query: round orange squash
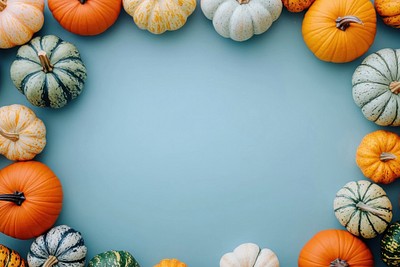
[(296, 6), (389, 11), (339, 31), (85, 17), (170, 263), (11, 258), (30, 199)]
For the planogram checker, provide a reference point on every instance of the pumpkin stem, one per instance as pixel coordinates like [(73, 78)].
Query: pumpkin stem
[(386, 156), (339, 263), (45, 61), (241, 2), (3, 4), (342, 23), (364, 207), (51, 260), (395, 87), (17, 197), (12, 136), (82, 1)]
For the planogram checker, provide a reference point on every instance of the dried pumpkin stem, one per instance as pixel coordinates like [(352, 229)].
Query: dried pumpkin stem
[(3, 4), (364, 207), (339, 263), (51, 260), (342, 23), (11, 136), (45, 61), (386, 156), (82, 1), (395, 87), (242, 2), (17, 198)]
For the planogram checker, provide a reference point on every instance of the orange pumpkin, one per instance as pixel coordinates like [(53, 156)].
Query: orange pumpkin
[(339, 30), (170, 263), (378, 156), (389, 10), (30, 199), (297, 5), (85, 17), (335, 248)]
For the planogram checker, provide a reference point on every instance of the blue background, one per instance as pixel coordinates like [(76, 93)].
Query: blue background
[(185, 145)]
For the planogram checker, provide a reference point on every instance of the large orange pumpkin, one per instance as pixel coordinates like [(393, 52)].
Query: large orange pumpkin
[(30, 199), (339, 30), (85, 17), (335, 248)]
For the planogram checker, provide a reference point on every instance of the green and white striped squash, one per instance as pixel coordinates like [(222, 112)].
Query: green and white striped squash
[(390, 245), (363, 208), (48, 71), (61, 246), (376, 87), (113, 258)]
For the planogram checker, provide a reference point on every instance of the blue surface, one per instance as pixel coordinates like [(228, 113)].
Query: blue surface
[(187, 144)]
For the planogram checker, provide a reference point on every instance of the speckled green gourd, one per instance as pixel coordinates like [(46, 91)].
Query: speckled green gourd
[(390, 245), (113, 258)]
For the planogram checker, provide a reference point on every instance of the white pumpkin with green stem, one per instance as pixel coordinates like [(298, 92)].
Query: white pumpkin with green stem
[(241, 19), (249, 255)]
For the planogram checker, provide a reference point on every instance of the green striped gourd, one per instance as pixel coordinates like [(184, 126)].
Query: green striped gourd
[(10, 258), (376, 87), (390, 245), (363, 208), (113, 258), (48, 71), (61, 246)]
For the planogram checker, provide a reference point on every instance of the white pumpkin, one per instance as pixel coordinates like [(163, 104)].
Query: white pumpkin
[(241, 19), (363, 208), (249, 255)]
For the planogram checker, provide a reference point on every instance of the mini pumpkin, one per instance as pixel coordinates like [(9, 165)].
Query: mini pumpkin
[(389, 10), (10, 258), (170, 263), (48, 71), (249, 255), (336, 248), (376, 87), (241, 19), (19, 20), (85, 17), (60, 246), (30, 199), (390, 245), (297, 5), (22, 134), (159, 16), (339, 31), (363, 208), (113, 258)]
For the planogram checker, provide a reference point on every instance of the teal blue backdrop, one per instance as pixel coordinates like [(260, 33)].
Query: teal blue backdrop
[(185, 145)]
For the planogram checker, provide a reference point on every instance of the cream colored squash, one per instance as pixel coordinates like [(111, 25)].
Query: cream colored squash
[(249, 255), (241, 19)]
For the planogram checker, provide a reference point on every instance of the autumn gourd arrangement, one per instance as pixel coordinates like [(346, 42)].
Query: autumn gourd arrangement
[(51, 73)]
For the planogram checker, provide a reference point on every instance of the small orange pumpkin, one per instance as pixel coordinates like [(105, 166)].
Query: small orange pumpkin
[(296, 6), (335, 248), (30, 199), (339, 30), (378, 156), (170, 263), (85, 17), (10, 258), (389, 10)]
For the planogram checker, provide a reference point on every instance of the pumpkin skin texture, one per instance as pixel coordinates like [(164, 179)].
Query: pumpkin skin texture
[(85, 17), (376, 87), (170, 263), (337, 248), (159, 16), (10, 258), (61, 245), (389, 10), (339, 31), (113, 258), (390, 245), (30, 199), (363, 208), (20, 19), (241, 19), (48, 71), (378, 156), (249, 255), (296, 6), (22, 134)]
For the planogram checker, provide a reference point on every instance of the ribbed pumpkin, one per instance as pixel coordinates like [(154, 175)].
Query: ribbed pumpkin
[(19, 20), (22, 134), (339, 30), (363, 208), (10, 258), (241, 19), (336, 248), (48, 71), (113, 258), (60, 246), (297, 5), (170, 263), (85, 17), (30, 199), (249, 255), (159, 16), (390, 245), (389, 10), (376, 87)]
